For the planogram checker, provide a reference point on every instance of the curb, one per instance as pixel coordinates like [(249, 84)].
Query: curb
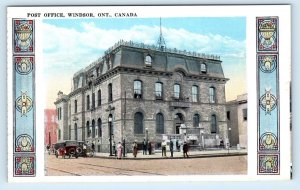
[(170, 158)]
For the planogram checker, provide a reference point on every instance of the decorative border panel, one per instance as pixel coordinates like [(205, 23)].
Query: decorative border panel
[(268, 95), (24, 98)]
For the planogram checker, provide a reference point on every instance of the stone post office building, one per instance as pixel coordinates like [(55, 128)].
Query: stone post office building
[(147, 92)]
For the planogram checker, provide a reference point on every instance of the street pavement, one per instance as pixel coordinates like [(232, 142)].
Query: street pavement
[(179, 155), (216, 162)]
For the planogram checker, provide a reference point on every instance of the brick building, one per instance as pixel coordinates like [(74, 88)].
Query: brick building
[(51, 126), (137, 91)]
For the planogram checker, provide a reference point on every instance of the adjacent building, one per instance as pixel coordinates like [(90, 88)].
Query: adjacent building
[(236, 113), (136, 92), (51, 126)]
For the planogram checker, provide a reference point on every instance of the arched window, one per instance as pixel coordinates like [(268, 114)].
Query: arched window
[(137, 87), (196, 120), (160, 128), (99, 123), (148, 60), (176, 91), (203, 68), (212, 95), (88, 129), (213, 124), (138, 123), (88, 102), (110, 95), (93, 128), (99, 97), (158, 90), (75, 132), (195, 93)]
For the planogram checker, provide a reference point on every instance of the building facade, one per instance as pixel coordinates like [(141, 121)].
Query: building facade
[(136, 92), (236, 113), (51, 126)]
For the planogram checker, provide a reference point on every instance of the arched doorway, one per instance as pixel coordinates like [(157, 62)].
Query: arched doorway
[(178, 120)]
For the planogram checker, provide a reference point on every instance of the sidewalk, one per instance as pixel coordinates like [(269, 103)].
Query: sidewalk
[(179, 155)]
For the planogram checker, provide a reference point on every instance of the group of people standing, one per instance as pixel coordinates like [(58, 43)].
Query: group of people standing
[(164, 148), (148, 146)]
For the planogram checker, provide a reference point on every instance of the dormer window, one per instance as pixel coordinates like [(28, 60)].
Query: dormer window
[(148, 60), (203, 68)]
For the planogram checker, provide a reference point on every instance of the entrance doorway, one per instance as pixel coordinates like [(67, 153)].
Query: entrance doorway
[(178, 121)]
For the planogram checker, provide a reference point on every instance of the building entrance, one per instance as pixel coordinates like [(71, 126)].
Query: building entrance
[(178, 121)]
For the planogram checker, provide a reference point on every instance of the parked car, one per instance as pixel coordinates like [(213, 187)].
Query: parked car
[(88, 152), (66, 148)]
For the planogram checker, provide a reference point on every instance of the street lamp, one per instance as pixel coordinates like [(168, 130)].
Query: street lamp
[(110, 134)]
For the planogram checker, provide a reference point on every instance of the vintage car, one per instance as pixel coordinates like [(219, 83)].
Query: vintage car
[(66, 148), (80, 150)]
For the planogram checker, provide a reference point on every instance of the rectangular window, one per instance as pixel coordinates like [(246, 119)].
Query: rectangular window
[(88, 102), (195, 93), (137, 89), (245, 114), (93, 100), (212, 95), (58, 113), (158, 91), (110, 95), (75, 106), (176, 91), (99, 97), (70, 132)]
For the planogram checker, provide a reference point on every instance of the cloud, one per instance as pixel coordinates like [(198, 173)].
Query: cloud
[(67, 46), (74, 49)]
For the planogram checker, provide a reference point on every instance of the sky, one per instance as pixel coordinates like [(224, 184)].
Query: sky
[(73, 44)]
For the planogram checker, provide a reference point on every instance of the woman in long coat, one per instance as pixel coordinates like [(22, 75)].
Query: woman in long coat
[(135, 149), (119, 150)]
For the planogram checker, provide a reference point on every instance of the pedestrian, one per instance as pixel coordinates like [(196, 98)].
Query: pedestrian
[(114, 149), (135, 149), (119, 149), (93, 147), (163, 148), (185, 149), (84, 150), (171, 147), (177, 145), (144, 147), (149, 148), (221, 143), (48, 148)]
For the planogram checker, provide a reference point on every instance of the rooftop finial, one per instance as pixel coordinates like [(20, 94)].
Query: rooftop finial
[(161, 42)]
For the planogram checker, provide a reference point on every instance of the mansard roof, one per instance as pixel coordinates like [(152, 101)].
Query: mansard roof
[(130, 54)]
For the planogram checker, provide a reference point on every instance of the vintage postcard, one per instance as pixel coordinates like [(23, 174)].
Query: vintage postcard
[(149, 93)]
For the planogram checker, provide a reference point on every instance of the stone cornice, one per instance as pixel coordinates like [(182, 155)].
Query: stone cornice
[(61, 100)]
